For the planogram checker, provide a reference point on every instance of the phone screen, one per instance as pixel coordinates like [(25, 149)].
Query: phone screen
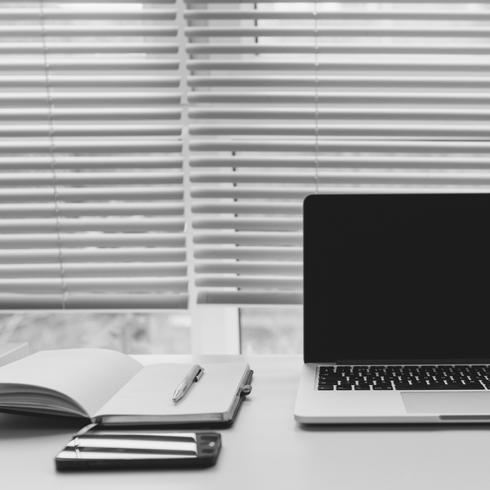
[(98, 448)]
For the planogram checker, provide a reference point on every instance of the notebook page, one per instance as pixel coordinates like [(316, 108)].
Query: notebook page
[(88, 376), (149, 393)]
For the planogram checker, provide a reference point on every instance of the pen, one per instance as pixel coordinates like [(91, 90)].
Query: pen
[(190, 378)]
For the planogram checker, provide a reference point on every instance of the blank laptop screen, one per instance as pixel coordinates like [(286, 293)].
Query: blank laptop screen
[(397, 277)]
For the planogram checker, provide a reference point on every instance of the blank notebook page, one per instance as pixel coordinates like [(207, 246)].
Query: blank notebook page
[(150, 391), (88, 376)]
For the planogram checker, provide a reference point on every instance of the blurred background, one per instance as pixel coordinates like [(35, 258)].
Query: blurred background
[(262, 330)]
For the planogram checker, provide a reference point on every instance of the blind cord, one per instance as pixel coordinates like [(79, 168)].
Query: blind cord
[(53, 162), (317, 177)]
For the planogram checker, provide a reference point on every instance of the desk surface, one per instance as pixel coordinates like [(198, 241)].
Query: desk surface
[(267, 449)]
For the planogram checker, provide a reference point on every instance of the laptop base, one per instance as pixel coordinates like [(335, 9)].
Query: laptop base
[(386, 407)]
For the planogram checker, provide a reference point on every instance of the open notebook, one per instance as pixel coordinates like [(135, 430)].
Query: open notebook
[(112, 388)]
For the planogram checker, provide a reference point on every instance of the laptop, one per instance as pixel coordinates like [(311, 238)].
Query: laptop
[(396, 309)]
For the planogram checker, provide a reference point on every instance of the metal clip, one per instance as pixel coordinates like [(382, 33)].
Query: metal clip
[(246, 390)]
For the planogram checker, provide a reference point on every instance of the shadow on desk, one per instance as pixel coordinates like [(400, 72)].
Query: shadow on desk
[(19, 426), (391, 427)]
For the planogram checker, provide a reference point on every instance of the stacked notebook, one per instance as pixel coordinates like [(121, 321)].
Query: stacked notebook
[(111, 388)]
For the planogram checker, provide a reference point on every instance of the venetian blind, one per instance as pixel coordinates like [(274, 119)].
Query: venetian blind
[(91, 193), (292, 98)]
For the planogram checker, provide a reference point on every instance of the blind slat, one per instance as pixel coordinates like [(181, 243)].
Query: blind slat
[(341, 161), (346, 146), (95, 193), (25, 31), (250, 282), (340, 129), (89, 256), (81, 114), (79, 130), (337, 48), (250, 297), (89, 301), (98, 284), (468, 129), (345, 31), (89, 145), (63, 178), (359, 80), (56, 48), (94, 239), (92, 270), (77, 14), (389, 2), (128, 224), (27, 210), (248, 224), (390, 65), (263, 254), (310, 98), (91, 79), (246, 208), (403, 14), (33, 99), (112, 161), (89, 64), (258, 268), (297, 194), (448, 115), (68, 2), (248, 238)]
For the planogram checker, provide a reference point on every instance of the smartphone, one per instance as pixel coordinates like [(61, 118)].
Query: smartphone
[(95, 448)]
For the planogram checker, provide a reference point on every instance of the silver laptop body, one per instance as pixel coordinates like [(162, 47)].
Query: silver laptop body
[(396, 309)]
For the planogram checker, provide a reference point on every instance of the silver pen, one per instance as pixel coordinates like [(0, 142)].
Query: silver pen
[(190, 378)]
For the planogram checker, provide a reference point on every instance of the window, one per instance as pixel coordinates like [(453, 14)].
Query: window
[(291, 98), (91, 176), (133, 332), (91, 201), (155, 154)]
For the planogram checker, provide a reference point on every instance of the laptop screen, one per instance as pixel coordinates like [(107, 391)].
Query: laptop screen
[(396, 277)]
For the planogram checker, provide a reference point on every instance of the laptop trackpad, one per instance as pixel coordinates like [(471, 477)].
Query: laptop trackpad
[(451, 403)]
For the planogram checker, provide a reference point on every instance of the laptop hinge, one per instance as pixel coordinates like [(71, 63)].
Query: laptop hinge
[(410, 361)]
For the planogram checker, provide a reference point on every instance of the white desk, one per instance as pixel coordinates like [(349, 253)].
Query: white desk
[(266, 449)]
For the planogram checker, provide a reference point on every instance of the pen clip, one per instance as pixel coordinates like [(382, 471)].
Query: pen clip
[(198, 376)]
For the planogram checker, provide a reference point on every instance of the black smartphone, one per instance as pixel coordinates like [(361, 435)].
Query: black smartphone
[(94, 448)]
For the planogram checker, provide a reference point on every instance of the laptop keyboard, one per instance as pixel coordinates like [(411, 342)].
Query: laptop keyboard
[(407, 377)]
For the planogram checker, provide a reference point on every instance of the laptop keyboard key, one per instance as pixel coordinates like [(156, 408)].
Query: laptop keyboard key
[(411, 386), (425, 387)]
